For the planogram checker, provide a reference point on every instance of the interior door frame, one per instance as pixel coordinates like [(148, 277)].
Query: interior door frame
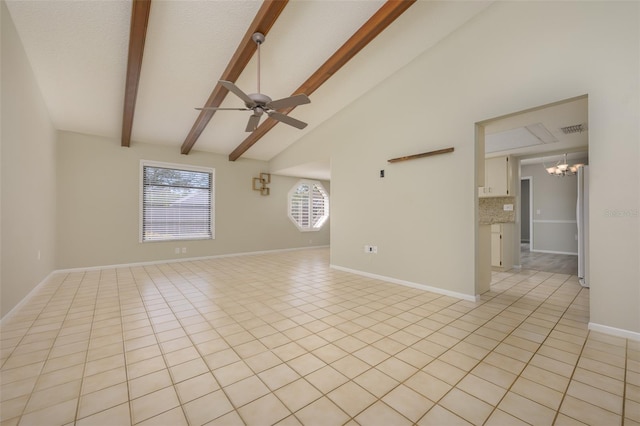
[(530, 179)]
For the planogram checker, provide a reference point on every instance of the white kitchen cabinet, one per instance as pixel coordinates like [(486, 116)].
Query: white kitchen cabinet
[(502, 245), (497, 178)]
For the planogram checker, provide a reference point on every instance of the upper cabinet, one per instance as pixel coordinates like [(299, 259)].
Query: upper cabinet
[(497, 178)]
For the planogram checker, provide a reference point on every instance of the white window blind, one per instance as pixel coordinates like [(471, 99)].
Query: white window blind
[(308, 205), (176, 203)]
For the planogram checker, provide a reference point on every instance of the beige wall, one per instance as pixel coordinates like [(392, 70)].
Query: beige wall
[(511, 57), (98, 205), (555, 228), (28, 191)]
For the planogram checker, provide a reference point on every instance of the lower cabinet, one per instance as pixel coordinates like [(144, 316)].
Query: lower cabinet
[(502, 245)]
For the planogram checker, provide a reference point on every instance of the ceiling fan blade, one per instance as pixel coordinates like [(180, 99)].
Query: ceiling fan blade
[(239, 93), (291, 101), (253, 122), (222, 109), (287, 120)]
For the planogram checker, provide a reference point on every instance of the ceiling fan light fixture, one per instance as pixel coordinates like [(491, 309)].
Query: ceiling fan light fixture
[(562, 168)]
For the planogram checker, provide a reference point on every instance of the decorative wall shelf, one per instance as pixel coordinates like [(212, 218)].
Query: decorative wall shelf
[(424, 154), (260, 183)]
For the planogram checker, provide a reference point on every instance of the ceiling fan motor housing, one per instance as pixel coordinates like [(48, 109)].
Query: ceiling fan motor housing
[(259, 99)]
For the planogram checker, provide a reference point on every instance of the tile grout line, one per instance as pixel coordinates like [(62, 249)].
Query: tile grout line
[(196, 347), (162, 351), (495, 407), (52, 345), (323, 394), (624, 383), (285, 363), (31, 324), (124, 347), (557, 411), (434, 331), (86, 358)]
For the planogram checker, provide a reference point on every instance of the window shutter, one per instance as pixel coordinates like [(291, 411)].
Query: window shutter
[(318, 203), (308, 205)]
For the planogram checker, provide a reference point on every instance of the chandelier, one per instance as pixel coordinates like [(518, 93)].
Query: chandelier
[(562, 168)]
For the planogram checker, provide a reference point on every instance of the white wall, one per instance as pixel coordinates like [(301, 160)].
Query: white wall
[(511, 57), (98, 205), (28, 191), (555, 227)]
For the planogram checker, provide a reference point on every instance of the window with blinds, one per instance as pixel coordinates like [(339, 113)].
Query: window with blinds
[(176, 202), (308, 205)]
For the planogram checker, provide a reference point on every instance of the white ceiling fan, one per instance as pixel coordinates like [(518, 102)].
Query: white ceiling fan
[(260, 103)]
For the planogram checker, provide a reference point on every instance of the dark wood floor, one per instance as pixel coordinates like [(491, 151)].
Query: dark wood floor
[(548, 262)]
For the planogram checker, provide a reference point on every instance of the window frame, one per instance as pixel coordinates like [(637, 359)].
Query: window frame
[(180, 167), (323, 190)]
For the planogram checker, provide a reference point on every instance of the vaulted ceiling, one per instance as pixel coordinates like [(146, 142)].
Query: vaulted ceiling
[(79, 51)]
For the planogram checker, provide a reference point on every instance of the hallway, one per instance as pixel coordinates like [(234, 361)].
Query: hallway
[(548, 262)]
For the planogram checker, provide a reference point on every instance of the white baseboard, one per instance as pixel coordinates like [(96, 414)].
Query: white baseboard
[(184, 259), (618, 332), (554, 252), (408, 284), (25, 299)]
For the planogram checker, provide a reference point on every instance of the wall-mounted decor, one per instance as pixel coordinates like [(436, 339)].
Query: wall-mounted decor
[(260, 183), (424, 154)]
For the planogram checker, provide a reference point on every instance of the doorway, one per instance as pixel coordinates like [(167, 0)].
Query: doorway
[(544, 234), (526, 204)]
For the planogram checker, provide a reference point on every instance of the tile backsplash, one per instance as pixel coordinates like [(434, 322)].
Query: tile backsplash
[(492, 210)]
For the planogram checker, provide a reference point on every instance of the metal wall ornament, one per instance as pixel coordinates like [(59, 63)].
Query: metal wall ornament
[(260, 183)]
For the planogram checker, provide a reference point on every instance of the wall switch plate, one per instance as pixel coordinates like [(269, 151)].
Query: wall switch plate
[(538, 211), (184, 249), (508, 207)]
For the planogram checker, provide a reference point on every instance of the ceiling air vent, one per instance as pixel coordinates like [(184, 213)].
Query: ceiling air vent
[(576, 128)]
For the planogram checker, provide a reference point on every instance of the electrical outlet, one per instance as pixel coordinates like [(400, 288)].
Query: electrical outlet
[(177, 250), (508, 207), (184, 250)]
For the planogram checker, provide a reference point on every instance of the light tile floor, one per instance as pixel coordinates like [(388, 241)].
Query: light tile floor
[(282, 339)]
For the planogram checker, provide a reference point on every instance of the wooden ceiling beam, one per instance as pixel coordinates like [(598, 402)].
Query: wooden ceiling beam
[(388, 13), (137, 36), (264, 20)]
